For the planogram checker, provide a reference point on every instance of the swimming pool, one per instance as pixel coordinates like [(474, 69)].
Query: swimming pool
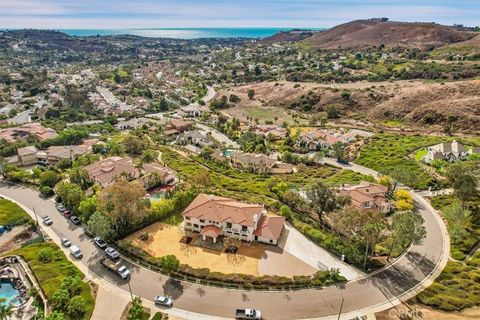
[(228, 153), (8, 292)]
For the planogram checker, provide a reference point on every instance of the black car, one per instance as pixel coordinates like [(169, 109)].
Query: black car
[(99, 242), (89, 233), (75, 220)]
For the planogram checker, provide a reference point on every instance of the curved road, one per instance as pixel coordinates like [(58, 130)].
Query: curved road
[(401, 280)]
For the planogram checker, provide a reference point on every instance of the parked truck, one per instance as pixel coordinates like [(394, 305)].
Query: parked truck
[(248, 314), (116, 267)]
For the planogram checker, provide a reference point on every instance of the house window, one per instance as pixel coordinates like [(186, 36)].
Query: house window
[(187, 218), (229, 225), (244, 228), (202, 221), (195, 225), (189, 224), (271, 241)]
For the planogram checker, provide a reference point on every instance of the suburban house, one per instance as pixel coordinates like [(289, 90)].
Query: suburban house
[(133, 123), (450, 152), (105, 172), (193, 110), (260, 163), (194, 139), (31, 155), (214, 216), (367, 195), (24, 131), (271, 132), (26, 156), (317, 140), (177, 126)]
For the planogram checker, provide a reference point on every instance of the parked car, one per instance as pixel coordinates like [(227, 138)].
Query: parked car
[(120, 270), (99, 242), (76, 252), (47, 220), (60, 207), (163, 301), (89, 233), (66, 243), (248, 314), (67, 214), (112, 253), (75, 220)]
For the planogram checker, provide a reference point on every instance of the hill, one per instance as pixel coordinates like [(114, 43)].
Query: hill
[(368, 33), (469, 48), (419, 104), (294, 35)]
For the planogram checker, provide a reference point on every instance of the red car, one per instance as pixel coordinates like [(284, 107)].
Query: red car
[(67, 214)]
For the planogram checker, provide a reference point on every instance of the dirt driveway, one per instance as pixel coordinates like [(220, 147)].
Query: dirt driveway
[(255, 259)]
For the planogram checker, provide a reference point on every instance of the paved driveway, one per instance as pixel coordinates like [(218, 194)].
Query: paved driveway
[(299, 246)]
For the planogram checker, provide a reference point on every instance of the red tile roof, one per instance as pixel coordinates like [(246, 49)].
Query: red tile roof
[(270, 227), (220, 209), (211, 231)]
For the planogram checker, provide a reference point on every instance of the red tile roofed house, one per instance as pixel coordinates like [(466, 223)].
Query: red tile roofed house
[(176, 126), (22, 132), (367, 195), (105, 172), (213, 216)]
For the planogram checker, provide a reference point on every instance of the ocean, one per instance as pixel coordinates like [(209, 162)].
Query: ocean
[(183, 33)]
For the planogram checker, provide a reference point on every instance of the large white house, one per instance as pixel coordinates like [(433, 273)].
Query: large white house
[(446, 151), (214, 216)]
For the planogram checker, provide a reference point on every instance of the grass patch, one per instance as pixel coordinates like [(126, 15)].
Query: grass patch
[(457, 288), (11, 213), (173, 220), (388, 152), (460, 246), (51, 274), (420, 154)]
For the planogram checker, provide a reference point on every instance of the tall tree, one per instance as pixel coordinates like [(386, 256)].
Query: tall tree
[(5, 309), (464, 181), (124, 204), (407, 227), (321, 198), (101, 226)]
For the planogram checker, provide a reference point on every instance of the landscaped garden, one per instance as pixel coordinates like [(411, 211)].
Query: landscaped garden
[(12, 214), (59, 279)]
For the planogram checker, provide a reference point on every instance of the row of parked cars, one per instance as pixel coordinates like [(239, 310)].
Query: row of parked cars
[(112, 256)]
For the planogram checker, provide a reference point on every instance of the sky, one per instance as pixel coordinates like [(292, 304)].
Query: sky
[(112, 14)]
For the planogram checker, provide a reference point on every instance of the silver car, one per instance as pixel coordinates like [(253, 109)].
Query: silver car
[(163, 301), (112, 253), (66, 243)]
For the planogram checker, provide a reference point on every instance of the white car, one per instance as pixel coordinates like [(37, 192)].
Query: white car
[(66, 243), (112, 253), (76, 252), (47, 220), (124, 272), (163, 301)]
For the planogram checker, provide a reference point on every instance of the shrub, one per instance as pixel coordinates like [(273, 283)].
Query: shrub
[(45, 255)]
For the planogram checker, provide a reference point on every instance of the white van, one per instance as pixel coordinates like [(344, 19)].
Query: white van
[(76, 252)]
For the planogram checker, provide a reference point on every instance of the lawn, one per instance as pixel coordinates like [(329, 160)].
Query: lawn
[(420, 154), (51, 274), (11, 213), (387, 153)]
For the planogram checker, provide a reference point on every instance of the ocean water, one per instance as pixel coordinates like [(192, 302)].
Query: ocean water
[(182, 33)]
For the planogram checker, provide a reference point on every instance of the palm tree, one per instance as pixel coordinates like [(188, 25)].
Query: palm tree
[(5, 309)]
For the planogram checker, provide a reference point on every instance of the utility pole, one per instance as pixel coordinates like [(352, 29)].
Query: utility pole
[(340, 311), (130, 289)]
